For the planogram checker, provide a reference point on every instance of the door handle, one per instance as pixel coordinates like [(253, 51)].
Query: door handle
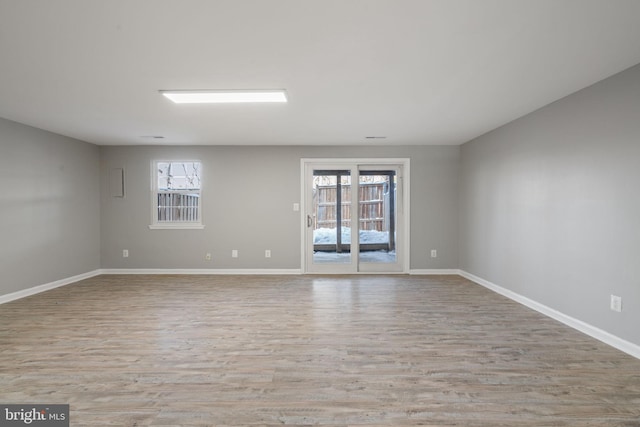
[(309, 220)]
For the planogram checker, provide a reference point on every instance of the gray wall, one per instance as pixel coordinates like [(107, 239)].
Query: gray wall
[(550, 205), (49, 207), (238, 182)]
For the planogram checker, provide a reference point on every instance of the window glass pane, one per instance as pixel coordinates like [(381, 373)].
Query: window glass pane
[(178, 192), (332, 213), (179, 176), (377, 216)]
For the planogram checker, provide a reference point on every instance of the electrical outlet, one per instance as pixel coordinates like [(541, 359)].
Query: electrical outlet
[(207, 257), (434, 253), (234, 253), (616, 303), (125, 253), (267, 253)]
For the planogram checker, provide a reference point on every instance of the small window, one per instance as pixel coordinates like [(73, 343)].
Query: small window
[(177, 198)]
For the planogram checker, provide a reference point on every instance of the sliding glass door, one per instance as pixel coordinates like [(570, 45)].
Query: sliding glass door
[(354, 217), (377, 216)]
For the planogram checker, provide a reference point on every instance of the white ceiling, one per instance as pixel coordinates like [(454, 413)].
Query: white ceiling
[(415, 71)]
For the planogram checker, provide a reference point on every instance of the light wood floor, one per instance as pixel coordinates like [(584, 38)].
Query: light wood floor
[(304, 350)]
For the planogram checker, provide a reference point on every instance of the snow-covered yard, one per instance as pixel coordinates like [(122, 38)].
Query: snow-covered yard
[(328, 236)]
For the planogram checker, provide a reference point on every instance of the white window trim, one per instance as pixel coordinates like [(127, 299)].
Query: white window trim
[(176, 226), (157, 225)]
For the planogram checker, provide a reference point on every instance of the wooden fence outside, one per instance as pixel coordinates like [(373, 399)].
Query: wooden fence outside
[(373, 205), (181, 207)]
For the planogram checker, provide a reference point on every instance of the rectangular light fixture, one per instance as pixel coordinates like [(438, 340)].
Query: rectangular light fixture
[(224, 96)]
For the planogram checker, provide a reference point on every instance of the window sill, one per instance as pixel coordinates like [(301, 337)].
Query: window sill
[(176, 226)]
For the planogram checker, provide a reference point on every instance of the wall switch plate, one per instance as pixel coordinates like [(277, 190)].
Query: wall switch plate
[(616, 303), (234, 253), (125, 253), (296, 207), (267, 253), (434, 253), (207, 257)]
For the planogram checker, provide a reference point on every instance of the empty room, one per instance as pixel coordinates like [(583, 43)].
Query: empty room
[(339, 213)]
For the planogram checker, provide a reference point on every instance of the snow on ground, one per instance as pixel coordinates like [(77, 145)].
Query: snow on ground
[(328, 236)]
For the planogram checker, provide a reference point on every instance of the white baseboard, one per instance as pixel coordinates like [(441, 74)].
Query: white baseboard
[(203, 271), (434, 271), (597, 333), (47, 286)]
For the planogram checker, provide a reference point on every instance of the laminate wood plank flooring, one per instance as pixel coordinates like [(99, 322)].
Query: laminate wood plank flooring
[(136, 350)]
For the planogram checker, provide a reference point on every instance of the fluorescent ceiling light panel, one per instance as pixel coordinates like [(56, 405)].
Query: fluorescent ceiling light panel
[(224, 96)]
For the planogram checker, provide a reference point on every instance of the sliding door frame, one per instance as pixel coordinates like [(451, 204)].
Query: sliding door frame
[(403, 186)]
